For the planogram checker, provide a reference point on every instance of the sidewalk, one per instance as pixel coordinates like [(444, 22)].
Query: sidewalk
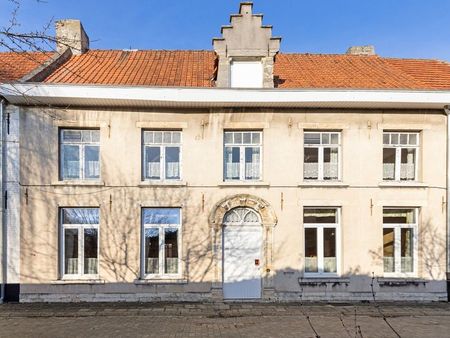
[(225, 320)]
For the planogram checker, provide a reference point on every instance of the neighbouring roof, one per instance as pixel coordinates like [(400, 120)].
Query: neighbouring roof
[(197, 69), (15, 65)]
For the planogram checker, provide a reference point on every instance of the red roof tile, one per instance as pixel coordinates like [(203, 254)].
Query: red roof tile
[(13, 65), (145, 68), (197, 69)]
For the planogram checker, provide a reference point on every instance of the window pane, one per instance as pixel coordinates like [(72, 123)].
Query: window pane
[(167, 137), (388, 163), (406, 250), (413, 139), (172, 162), (176, 137), (152, 163), (228, 137), (91, 162), (394, 138), (71, 251), (90, 251), (388, 250), (237, 138), (329, 250), (312, 138), (331, 163), (232, 163), (403, 139), (80, 216), (325, 138), (247, 138), (151, 250), (386, 139), (256, 138), (311, 215), (157, 137), (334, 138), (161, 216), (399, 216), (311, 164), (71, 135), (148, 137), (95, 135), (71, 162), (311, 259), (171, 250), (252, 163), (408, 164)]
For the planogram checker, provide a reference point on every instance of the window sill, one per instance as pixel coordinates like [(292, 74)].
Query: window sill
[(146, 184), (322, 281), (402, 184), (79, 281), (400, 281), (152, 281), (244, 184), (324, 184), (79, 183)]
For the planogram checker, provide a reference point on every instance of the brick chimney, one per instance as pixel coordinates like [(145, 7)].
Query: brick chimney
[(70, 34), (361, 50)]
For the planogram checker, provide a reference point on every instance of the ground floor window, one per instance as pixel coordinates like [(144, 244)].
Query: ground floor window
[(79, 242), (161, 241), (321, 240), (399, 240)]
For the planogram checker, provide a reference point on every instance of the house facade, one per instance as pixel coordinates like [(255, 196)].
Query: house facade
[(240, 173)]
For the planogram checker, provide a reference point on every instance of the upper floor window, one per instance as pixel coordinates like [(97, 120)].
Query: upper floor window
[(242, 155), (161, 155), (162, 242), (400, 152), (399, 240), (321, 240), (80, 154), (321, 155), (246, 74), (79, 249)]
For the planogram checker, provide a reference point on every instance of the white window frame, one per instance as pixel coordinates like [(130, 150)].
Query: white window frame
[(320, 245), (321, 146), (246, 69), (80, 228), (397, 243), (81, 148), (242, 146), (161, 228), (398, 154), (162, 154)]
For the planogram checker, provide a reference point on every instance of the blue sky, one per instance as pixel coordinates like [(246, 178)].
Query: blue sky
[(397, 28)]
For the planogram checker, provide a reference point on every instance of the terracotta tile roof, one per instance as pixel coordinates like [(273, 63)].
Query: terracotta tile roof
[(359, 72), (145, 68), (13, 65), (197, 69)]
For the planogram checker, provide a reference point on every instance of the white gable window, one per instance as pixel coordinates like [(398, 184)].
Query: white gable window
[(246, 74)]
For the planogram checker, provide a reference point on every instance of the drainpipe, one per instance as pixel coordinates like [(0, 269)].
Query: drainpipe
[(2, 222), (447, 113)]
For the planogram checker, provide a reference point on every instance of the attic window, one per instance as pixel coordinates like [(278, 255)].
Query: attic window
[(246, 74)]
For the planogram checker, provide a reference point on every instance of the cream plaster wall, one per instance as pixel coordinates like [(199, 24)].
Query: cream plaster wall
[(121, 192)]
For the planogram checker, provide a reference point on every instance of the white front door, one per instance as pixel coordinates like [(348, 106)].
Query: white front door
[(242, 261)]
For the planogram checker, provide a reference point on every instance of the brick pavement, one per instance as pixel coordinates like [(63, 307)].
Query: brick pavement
[(224, 320)]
